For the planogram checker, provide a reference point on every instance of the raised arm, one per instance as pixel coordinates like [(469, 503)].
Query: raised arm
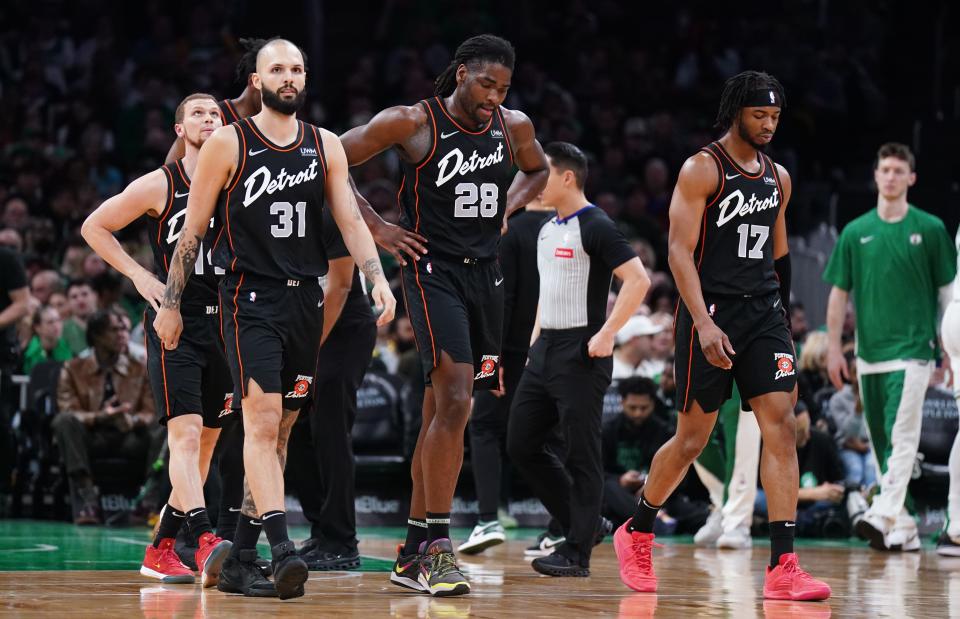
[(356, 236), (529, 157), (147, 194), (215, 166), (698, 179)]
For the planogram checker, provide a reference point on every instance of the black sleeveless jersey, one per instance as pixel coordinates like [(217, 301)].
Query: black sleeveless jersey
[(735, 253), (456, 196), (272, 212), (227, 112), (201, 289)]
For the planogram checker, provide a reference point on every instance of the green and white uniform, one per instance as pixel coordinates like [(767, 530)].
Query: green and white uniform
[(895, 271), (950, 334)]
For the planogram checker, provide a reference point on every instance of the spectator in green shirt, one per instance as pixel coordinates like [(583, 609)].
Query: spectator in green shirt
[(83, 303), (47, 343)]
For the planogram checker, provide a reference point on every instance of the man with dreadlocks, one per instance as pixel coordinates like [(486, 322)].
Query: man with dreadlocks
[(728, 254), (458, 153)]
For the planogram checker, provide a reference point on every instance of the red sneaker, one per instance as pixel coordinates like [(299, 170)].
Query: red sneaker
[(210, 555), (163, 564), (635, 554), (788, 581)]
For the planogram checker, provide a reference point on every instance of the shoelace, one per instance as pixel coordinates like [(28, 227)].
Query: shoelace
[(645, 559), (443, 563), (169, 555)]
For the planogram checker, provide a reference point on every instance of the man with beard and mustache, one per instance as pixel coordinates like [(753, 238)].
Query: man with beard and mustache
[(729, 256), (190, 384), (269, 176), (459, 151)]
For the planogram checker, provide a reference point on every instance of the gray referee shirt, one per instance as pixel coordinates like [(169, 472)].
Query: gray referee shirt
[(576, 257)]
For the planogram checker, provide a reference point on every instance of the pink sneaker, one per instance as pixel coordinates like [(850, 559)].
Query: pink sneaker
[(635, 554), (788, 581)]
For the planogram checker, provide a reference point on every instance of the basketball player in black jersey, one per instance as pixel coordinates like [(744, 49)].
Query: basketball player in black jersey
[(268, 176), (458, 153), (728, 254), (192, 384), (232, 110)]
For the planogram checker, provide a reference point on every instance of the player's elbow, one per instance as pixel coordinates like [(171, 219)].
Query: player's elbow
[(87, 230)]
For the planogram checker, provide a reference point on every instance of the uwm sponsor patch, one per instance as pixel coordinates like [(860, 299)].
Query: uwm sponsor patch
[(563, 252)]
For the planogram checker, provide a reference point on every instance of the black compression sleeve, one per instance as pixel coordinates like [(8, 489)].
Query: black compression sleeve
[(782, 267)]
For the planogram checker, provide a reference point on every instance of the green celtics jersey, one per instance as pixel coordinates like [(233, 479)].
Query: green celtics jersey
[(895, 271)]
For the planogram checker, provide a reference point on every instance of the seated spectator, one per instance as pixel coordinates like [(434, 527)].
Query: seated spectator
[(46, 343), (82, 300), (845, 410), (629, 443), (44, 284), (812, 380), (106, 409), (58, 301), (634, 355), (820, 510)]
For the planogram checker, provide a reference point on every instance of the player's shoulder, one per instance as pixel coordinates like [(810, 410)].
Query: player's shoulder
[(155, 180), (513, 118), (225, 136), (926, 218), (866, 221), (407, 116)]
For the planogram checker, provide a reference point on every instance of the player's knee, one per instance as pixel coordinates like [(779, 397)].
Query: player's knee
[(691, 446), (261, 431), (453, 406), (185, 442)]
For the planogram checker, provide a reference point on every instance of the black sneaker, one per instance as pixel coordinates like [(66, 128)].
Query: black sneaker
[(604, 529), (406, 570), (544, 545), (558, 564), (240, 574), (948, 546), (289, 571), (186, 548), (318, 559), (265, 567)]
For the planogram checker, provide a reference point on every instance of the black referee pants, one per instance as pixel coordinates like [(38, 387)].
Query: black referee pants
[(563, 386), (325, 481)]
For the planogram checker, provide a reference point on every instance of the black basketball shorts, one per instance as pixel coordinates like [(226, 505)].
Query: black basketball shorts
[(194, 377), (456, 308), (271, 332), (764, 361)]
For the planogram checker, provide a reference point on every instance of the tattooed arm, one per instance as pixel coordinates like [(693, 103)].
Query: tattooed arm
[(215, 165), (356, 235)]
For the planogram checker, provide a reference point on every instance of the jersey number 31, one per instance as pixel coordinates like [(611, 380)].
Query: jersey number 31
[(466, 203), (286, 212)]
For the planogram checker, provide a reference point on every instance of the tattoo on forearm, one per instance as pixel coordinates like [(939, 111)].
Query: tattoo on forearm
[(371, 269), (181, 267)]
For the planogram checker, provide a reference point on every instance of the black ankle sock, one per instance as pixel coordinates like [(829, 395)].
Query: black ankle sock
[(275, 526), (644, 516), (416, 535), (488, 517), (227, 522), (438, 526), (198, 521), (170, 522), (246, 535), (781, 539)]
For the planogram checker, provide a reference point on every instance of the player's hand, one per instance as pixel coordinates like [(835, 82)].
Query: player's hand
[(500, 391), (149, 288), (837, 367), (504, 227), (601, 344), (716, 346), (831, 492), (384, 301), (399, 241), (169, 325)]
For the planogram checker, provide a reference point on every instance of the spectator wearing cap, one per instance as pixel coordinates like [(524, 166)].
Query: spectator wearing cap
[(634, 355)]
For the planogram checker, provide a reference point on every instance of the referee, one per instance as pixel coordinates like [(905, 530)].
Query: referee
[(570, 361)]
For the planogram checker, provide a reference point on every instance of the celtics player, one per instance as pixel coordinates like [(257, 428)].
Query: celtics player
[(897, 260)]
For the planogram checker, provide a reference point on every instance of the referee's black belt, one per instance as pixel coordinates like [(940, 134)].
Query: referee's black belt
[(461, 259), (587, 331)]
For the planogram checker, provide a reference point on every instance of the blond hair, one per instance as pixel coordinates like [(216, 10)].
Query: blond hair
[(813, 355)]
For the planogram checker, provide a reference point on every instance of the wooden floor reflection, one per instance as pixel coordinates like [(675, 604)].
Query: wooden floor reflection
[(693, 582)]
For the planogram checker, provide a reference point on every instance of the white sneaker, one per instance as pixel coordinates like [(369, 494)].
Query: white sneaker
[(483, 536), (711, 530), (738, 539), (948, 545), (903, 538), (508, 521), (874, 529)]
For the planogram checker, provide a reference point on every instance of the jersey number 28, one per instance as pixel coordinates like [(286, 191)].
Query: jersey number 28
[(466, 202)]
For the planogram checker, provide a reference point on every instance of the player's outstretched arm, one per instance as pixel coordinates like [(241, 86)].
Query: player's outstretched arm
[(356, 236), (147, 194), (697, 181), (392, 127), (215, 164), (529, 157)]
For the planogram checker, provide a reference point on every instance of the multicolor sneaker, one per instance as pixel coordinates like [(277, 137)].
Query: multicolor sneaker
[(483, 536), (635, 555), (406, 570), (163, 564), (788, 581), (211, 552), (439, 574)]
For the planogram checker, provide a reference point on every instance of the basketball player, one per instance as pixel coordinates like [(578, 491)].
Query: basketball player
[(269, 176), (458, 151), (192, 384), (728, 254), (949, 543), (894, 252)]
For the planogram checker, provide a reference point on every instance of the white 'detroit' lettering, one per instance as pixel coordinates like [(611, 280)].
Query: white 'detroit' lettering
[(462, 167), (270, 185), (745, 207)]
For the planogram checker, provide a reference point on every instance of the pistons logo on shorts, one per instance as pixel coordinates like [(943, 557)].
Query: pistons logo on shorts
[(488, 365), (784, 365), (301, 387), (227, 405)]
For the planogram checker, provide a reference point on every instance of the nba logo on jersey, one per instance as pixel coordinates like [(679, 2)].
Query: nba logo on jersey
[(773, 98), (712, 309)]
